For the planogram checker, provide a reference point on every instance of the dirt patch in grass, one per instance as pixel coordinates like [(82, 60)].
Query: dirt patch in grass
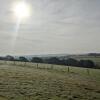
[(3, 98)]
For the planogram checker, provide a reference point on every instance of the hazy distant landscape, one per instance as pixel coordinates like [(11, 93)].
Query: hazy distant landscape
[(95, 57)]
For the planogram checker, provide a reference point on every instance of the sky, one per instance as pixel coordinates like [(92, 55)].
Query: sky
[(54, 27)]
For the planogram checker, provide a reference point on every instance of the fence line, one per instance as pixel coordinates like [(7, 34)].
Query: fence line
[(47, 66)]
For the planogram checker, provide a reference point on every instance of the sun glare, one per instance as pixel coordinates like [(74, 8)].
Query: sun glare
[(21, 10)]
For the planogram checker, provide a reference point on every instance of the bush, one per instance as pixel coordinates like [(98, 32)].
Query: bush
[(86, 63), (37, 60)]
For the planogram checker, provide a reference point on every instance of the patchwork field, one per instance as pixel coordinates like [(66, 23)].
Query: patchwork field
[(19, 82)]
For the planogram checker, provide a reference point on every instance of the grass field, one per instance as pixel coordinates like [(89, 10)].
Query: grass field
[(27, 82)]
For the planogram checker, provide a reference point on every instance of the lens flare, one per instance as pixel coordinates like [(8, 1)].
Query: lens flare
[(21, 11)]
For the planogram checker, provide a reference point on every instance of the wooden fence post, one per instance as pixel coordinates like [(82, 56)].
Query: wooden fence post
[(37, 65), (88, 71), (68, 69), (24, 63), (14, 62), (5, 61), (51, 66)]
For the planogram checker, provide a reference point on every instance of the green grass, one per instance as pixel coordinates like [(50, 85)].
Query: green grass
[(19, 82)]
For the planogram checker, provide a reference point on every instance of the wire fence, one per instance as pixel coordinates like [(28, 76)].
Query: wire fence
[(66, 69)]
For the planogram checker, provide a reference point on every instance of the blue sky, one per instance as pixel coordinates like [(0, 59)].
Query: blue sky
[(55, 26)]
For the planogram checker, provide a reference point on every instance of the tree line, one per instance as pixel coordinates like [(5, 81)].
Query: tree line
[(54, 60)]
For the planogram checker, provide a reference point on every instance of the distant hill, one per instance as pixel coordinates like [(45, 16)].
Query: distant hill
[(44, 56), (94, 54), (59, 55)]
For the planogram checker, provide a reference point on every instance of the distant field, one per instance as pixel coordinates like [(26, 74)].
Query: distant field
[(96, 59), (27, 81)]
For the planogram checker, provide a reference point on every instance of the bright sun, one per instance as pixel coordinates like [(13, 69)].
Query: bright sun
[(21, 10)]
